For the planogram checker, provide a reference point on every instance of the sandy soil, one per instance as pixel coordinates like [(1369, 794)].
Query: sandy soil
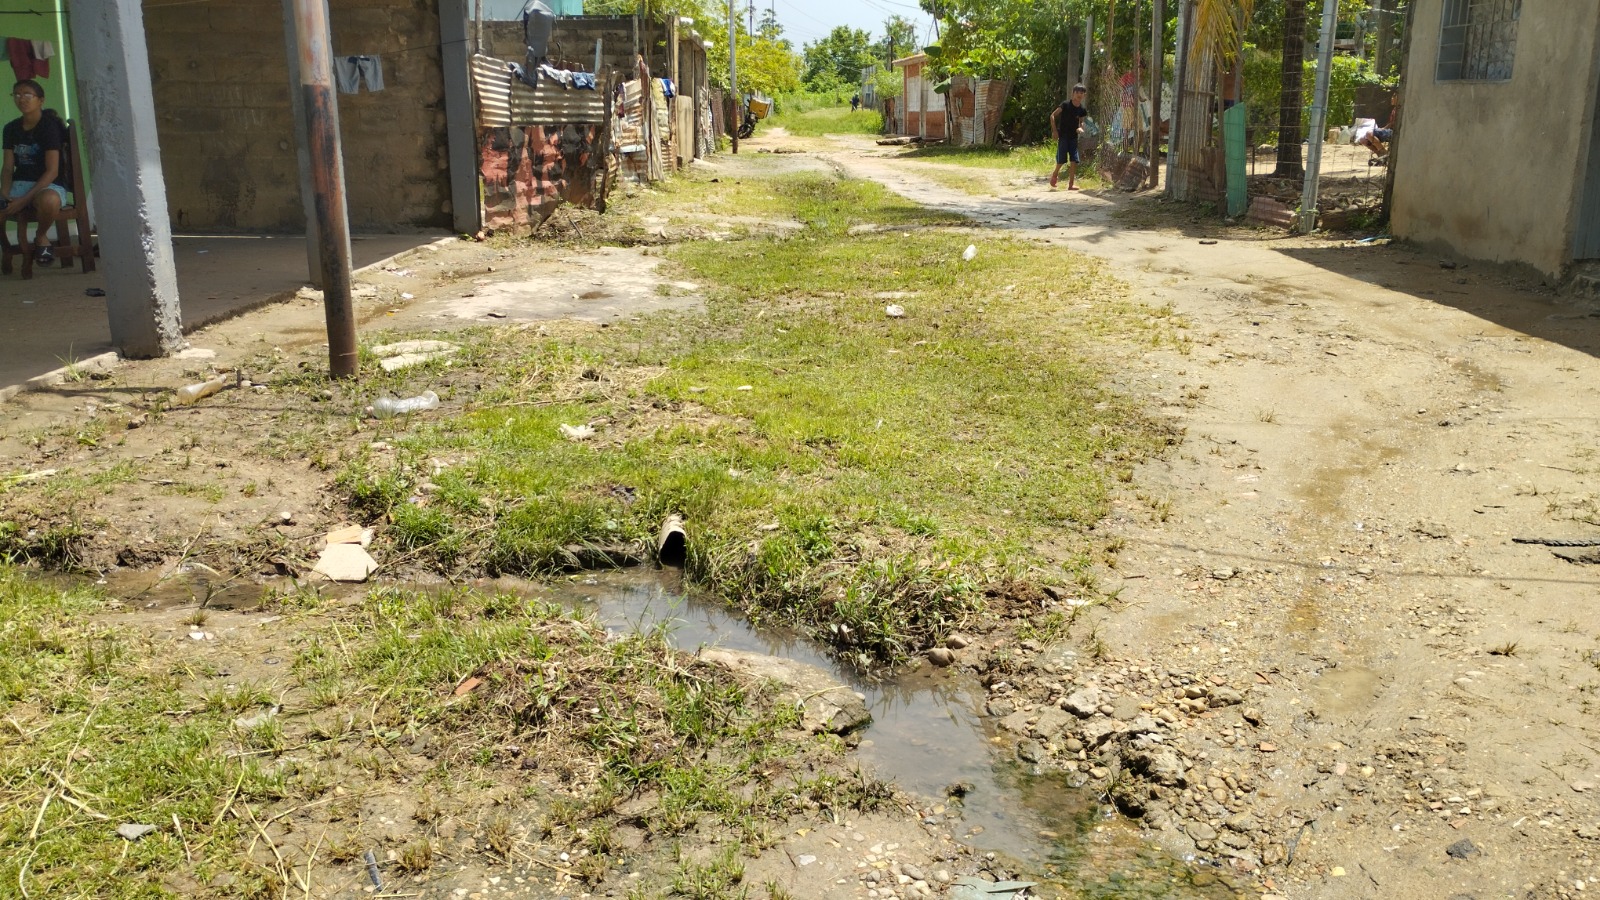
[(1368, 427)]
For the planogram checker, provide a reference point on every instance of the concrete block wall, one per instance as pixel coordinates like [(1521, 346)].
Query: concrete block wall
[(1495, 170), (223, 107)]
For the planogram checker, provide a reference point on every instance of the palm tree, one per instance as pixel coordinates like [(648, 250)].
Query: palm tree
[(1292, 98)]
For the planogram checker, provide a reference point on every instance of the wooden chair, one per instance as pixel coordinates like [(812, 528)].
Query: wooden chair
[(76, 211)]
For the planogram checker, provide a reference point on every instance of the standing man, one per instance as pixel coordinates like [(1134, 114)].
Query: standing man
[(1066, 122)]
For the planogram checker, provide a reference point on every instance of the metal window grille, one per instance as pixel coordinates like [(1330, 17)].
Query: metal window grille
[(1478, 40)]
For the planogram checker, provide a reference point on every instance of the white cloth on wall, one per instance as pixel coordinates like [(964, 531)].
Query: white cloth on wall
[(43, 50)]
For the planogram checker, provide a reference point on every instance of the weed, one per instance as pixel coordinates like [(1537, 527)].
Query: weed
[(715, 879), (416, 857), (1507, 649)]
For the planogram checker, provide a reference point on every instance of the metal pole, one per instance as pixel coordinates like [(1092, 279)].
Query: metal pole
[(327, 174), (1319, 119), (477, 26), (733, 73), (1158, 60)]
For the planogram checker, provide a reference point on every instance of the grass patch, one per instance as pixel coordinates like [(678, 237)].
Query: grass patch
[(824, 121), (105, 725), (867, 478), (1038, 160)]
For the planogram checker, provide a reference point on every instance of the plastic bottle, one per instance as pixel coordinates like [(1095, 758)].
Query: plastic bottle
[(388, 407), (190, 393)]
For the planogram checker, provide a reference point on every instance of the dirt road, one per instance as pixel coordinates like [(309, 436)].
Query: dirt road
[(1367, 428)]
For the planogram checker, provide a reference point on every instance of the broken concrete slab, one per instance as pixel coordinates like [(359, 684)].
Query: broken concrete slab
[(407, 360), (404, 347), (345, 563), (826, 705)]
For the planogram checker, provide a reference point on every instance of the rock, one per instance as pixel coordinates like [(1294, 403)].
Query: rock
[(132, 831), (1200, 831), (912, 872), (402, 347), (1000, 707), (1253, 716), (345, 563), (1160, 766), (1223, 574), (1582, 786), (826, 705), (1143, 725), (1083, 703), (1224, 696), (1029, 751), (1463, 849), (247, 723), (1272, 854), (1051, 723), (1072, 745), (1097, 732), (1242, 822), (942, 657), (956, 642), (1017, 722)]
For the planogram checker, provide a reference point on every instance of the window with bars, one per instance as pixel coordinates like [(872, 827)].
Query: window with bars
[(1478, 40)]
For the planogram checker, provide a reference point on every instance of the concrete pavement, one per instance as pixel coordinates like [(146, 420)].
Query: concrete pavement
[(51, 323)]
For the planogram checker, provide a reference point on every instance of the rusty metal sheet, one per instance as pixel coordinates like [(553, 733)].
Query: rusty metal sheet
[(504, 101)]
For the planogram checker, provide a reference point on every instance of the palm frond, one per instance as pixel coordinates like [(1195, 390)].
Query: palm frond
[(1219, 24)]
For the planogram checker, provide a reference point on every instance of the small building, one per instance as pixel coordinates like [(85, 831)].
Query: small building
[(975, 108), (1499, 142), (922, 108)]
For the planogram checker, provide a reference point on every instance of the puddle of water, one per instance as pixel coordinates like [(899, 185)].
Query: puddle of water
[(1346, 690), (927, 732)]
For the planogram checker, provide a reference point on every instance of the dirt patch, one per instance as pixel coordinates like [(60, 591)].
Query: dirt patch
[(1327, 664)]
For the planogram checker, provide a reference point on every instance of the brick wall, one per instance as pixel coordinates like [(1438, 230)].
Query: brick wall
[(227, 134)]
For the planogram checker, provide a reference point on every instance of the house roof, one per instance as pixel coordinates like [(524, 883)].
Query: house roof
[(914, 58)]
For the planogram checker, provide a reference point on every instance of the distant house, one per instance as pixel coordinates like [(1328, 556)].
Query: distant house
[(1499, 153), (922, 108)]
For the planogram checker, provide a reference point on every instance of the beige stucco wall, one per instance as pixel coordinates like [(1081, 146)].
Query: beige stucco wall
[(1494, 170), (220, 73)]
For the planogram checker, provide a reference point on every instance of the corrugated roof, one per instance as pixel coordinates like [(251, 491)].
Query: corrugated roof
[(505, 101)]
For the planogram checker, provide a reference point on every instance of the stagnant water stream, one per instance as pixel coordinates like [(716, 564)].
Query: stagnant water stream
[(927, 732)]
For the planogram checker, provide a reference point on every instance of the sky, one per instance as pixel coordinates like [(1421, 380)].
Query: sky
[(807, 20)]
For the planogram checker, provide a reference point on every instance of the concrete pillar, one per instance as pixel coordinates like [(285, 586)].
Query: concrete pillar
[(302, 141), (461, 118), (116, 104)]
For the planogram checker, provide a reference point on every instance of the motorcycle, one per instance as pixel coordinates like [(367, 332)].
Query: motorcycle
[(756, 110)]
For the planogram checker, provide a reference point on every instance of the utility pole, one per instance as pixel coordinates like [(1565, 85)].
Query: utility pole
[(332, 221), (1319, 119), (752, 9), (1158, 59), (737, 121)]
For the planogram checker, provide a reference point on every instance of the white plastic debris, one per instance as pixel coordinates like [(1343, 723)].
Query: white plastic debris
[(577, 432), (895, 311), (971, 253)]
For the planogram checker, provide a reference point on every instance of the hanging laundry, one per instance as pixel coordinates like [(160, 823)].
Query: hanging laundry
[(668, 88), (351, 71), (24, 62)]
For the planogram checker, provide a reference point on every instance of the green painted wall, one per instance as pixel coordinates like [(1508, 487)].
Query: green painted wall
[(41, 20)]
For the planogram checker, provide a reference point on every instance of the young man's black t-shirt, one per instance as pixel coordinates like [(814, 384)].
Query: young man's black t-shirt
[(29, 148), (1071, 117)]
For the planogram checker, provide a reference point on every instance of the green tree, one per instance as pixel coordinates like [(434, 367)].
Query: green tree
[(899, 39), (837, 60)]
